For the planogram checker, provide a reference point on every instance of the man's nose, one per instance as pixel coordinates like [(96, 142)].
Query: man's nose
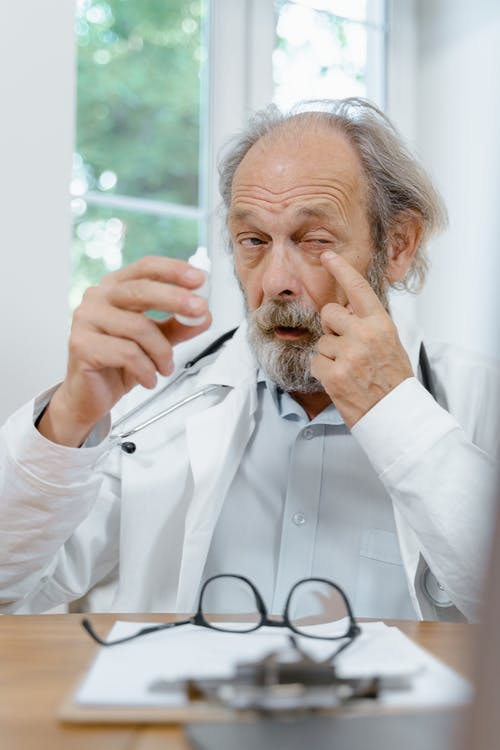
[(280, 276)]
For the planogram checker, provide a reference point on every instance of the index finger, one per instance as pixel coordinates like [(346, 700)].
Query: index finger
[(160, 268), (363, 299)]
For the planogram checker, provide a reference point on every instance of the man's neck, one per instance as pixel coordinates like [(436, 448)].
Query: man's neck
[(312, 403)]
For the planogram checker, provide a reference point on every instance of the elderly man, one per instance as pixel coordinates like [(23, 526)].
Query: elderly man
[(309, 446)]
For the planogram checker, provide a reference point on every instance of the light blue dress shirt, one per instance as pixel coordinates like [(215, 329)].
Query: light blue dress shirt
[(305, 502)]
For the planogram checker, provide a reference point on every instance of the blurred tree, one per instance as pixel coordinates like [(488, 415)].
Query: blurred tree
[(138, 129)]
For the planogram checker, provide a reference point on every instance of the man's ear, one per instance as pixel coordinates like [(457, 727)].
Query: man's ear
[(403, 243)]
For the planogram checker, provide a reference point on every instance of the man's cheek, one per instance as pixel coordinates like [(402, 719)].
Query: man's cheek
[(334, 293)]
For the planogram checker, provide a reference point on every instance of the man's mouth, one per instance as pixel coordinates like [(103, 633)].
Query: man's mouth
[(290, 334)]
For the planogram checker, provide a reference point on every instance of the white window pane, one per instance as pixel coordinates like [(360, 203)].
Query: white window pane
[(346, 8), (322, 55), (371, 11)]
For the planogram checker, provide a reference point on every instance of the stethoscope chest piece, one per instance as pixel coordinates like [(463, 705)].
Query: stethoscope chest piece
[(128, 447)]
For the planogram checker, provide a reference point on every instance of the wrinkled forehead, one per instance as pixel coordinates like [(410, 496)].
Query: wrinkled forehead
[(297, 155)]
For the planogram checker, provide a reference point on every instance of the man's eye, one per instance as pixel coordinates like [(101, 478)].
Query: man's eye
[(251, 242), (317, 244), (319, 240)]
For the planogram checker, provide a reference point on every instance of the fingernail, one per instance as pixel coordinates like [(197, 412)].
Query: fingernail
[(196, 304), (167, 368), (329, 255), (193, 274)]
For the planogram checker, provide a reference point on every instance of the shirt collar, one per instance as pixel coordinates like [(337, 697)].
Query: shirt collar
[(288, 408)]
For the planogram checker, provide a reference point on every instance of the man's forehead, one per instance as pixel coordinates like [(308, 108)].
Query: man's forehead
[(281, 164), (315, 139)]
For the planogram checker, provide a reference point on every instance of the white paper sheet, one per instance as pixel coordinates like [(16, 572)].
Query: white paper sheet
[(122, 675)]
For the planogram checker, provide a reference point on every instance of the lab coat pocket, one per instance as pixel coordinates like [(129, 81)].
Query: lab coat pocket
[(382, 588)]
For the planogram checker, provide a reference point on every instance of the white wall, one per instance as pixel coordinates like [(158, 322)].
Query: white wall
[(446, 98), (458, 129), (36, 130)]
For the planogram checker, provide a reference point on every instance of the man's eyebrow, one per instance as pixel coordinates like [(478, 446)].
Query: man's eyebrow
[(319, 211), (241, 214)]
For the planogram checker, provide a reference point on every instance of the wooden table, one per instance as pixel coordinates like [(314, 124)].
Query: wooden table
[(42, 656)]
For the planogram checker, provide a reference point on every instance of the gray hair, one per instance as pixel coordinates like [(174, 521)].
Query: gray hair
[(396, 183)]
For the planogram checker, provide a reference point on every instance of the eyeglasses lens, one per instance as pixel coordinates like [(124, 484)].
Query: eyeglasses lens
[(317, 609), (229, 604)]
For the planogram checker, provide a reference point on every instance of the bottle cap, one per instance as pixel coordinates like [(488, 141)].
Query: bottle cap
[(200, 259)]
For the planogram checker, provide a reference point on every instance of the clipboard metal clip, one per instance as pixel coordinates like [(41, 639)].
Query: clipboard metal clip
[(276, 684)]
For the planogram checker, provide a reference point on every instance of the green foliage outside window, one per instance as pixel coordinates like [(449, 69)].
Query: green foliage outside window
[(138, 131)]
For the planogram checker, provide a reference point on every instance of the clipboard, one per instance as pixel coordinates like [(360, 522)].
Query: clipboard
[(70, 712), (117, 687)]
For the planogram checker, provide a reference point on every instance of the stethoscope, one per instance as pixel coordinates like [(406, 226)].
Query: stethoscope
[(128, 446)]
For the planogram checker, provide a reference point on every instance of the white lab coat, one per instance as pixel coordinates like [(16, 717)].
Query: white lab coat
[(131, 532)]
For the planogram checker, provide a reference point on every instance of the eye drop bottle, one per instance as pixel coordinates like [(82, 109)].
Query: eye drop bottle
[(199, 260)]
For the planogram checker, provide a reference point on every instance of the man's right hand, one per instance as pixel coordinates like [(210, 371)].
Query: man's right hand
[(114, 346)]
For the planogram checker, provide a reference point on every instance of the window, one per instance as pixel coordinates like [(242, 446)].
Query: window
[(160, 85), (138, 171), (329, 49)]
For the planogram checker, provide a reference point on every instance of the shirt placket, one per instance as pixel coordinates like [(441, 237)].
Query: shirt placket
[(300, 513)]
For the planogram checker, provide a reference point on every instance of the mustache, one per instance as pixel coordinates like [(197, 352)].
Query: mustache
[(277, 314)]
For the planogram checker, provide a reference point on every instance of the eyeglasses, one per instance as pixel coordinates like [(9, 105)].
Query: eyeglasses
[(315, 608)]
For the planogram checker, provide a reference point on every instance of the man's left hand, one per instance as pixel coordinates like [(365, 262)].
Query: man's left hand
[(360, 358)]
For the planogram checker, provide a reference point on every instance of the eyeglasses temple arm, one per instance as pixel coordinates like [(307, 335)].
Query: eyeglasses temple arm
[(144, 631)]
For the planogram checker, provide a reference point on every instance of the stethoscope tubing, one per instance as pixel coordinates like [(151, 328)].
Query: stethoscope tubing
[(202, 392), (186, 370)]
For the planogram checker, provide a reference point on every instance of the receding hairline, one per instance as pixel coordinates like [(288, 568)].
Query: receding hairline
[(302, 125), (290, 132)]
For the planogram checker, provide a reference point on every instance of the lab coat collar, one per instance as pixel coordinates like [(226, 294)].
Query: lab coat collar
[(236, 362), (230, 424)]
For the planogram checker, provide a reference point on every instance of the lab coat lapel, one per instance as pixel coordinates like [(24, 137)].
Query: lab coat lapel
[(216, 439), (214, 461)]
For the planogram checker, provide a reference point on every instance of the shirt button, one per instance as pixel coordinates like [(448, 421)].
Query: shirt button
[(308, 433), (299, 519)]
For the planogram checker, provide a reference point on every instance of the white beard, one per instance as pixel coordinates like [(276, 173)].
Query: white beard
[(287, 363)]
